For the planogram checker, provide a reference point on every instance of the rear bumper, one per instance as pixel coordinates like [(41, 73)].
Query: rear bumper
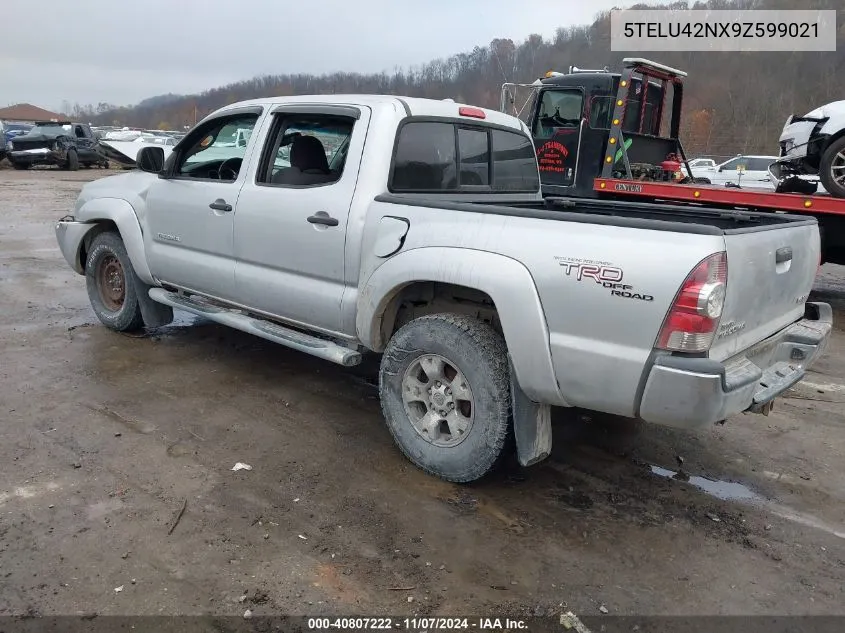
[(692, 392)]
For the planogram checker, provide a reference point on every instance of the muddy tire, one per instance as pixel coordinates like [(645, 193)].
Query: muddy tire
[(111, 285), (832, 168), (72, 161), (444, 384)]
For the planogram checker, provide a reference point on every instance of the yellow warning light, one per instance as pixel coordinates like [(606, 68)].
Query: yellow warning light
[(619, 102), (615, 121), (808, 203), (612, 141), (603, 185), (697, 194), (608, 159), (623, 83)]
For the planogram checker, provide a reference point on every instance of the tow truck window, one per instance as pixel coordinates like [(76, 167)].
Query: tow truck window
[(558, 109), (601, 112)]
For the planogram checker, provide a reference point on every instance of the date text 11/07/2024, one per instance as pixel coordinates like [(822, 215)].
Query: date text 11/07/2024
[(417, 624)]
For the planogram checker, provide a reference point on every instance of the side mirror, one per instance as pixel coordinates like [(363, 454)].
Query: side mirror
[(150, 159)]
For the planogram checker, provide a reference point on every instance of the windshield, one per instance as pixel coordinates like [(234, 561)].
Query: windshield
[(51, 129)]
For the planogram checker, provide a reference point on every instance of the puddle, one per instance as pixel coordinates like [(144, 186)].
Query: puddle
[(724, 490), (732, 491), (186, 319), (181, 321)]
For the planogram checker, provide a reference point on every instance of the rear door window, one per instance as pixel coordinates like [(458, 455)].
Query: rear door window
[(425, 157)]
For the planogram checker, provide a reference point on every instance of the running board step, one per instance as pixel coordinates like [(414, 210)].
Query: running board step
[(259, 327)]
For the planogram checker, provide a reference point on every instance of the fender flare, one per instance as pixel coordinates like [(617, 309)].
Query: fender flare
[(507, 281), (123, 215)]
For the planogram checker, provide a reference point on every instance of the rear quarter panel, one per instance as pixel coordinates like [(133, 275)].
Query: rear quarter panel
[(598, 343)]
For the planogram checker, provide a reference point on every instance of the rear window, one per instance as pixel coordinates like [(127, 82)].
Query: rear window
[(434, 156)]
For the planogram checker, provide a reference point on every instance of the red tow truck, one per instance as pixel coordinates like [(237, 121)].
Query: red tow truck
[(600, 134)]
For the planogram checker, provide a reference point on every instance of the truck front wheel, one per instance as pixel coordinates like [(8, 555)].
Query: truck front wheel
[(110, 284), (445, 394), (832, 168), (72, 161)]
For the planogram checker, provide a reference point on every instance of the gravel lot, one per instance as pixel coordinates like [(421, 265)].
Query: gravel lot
[(106, 437)]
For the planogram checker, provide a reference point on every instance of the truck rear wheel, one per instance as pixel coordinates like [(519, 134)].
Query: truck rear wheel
[(832, 168), (444, 385), (110, 284)]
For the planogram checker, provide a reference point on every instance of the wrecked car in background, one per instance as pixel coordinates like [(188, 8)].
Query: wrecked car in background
[(67, 145), (8, 131), (813, 144)]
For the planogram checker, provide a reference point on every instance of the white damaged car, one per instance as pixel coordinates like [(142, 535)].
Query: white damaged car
[(813, 144)]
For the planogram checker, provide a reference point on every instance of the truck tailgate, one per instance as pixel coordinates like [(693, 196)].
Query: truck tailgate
[(770, 274)]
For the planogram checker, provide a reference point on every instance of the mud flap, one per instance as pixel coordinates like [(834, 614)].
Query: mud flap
[(532, 425), (155, 314)]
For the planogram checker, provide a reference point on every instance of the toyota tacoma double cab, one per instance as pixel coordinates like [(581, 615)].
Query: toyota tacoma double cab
[(416, 229), (67, 145)]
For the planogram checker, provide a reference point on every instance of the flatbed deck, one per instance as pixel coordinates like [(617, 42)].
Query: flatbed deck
[(723, 196)]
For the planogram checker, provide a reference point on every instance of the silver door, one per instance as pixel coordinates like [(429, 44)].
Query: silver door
[(190, 212), (290, 229)]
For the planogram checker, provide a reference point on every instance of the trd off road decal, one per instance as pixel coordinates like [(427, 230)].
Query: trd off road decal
[(552, 156), (603, 273)]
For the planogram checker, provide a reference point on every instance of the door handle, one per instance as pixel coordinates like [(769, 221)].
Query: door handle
[(221, 205), (321, 217)]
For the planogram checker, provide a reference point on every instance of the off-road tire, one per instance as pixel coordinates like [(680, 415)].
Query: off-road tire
[(104, 250), (72, 160), (479, 352), (826, 173)]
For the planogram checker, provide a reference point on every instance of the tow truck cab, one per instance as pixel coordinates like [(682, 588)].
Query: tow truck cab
[(579, 119)]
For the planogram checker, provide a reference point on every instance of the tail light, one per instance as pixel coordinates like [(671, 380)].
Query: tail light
[(692, 321)]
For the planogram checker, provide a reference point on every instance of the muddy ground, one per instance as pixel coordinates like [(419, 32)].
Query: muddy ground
[(105, 437)]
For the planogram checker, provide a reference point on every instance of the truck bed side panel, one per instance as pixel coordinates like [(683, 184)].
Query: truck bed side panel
[(600, 341)]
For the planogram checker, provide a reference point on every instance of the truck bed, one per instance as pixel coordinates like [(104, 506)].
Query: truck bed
[(623, 213)]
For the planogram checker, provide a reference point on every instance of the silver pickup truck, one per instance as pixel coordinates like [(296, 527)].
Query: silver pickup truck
[(416, 229)]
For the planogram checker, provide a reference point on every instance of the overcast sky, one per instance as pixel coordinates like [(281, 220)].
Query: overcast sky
[(89, 51)]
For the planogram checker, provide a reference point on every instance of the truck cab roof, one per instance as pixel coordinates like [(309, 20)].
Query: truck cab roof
[(412, 106)]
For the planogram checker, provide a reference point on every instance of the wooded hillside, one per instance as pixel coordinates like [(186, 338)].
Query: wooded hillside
[(734, 102)]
